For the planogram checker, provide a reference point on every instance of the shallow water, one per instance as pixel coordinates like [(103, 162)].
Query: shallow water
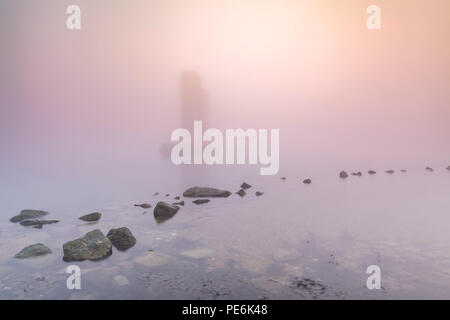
[(295, 242)]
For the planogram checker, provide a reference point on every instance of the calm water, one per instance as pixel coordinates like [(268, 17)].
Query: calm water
[(294, 242)]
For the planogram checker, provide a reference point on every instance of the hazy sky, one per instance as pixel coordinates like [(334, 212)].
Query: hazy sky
[(107, 95)]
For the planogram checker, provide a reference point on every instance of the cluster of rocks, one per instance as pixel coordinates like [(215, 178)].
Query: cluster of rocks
[(32, 218)]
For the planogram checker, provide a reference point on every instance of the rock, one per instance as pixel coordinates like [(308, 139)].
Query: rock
[(259, 193), (429, 169), (390, 171), (121, 238), (93, 246), (37, 223), (358, 174), (307, 181), (152, 259), (198, 253), (372, 172), (176, 198), (121, 280), (91, 217), (241, 192), (448, 168), (283, 178), (164, 211), (181, 203), (167, 194), (28, 215), (245, 186), (202, 192), (200, 201), (156, 194), (343, 175), (403, 171), (33, 250), (143, 205)]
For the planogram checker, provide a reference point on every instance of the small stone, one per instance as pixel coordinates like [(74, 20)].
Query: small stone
[(177, 198), (245, 186), (357, 174), (372, 172), (259, 193), (181, 203), (167, 194), (307, 181), (390, 171), (143, 205), (121, 238), (429, 169), (201, 201), (33, 250), (241, 192), (28, 215), (343, 175), (403, 171), (91, 217), (283, 178), (448, 168), (156, 194)]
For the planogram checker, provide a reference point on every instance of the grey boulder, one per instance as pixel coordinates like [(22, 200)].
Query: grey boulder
[(93, 246), (164, 210), (121, 238)]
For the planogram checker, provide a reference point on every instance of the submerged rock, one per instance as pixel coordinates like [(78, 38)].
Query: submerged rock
[(28, 215), (241, 192), (245, 186), (121, 238), (403, 171), (390, 171), (200, 201), (372, 172), (93, 246), (37, 223), (202, 192), (33, 250), (283, 178), (156, 194), (259, 193), (121, 280), (307, 181), (343, 175), (143, 205), (198, 253), (95, 216), (429, 169), (181, 203), (358, 174), (448, 168), (164, 210)]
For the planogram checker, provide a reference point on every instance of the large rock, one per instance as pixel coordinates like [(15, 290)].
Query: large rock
[(28, 215), (95, 216), (33, 250), (121, 238), (164, 210), (93, 246), (201, 192), (37, 223)]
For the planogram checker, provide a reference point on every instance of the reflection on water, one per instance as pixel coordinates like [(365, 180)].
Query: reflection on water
[(296, 241)]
